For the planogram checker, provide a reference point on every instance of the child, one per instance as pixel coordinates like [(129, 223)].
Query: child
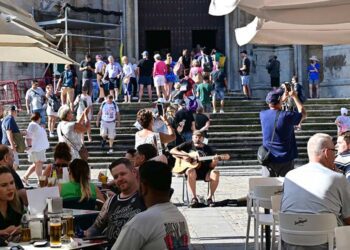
[(84, 101), (203, 92), (343, 121)]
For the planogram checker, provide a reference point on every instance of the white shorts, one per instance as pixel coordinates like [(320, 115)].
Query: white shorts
[(37, 156), (50, 112), (107, 129), (159, 81)]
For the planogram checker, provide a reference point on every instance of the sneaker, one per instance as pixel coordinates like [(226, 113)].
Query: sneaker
[(51, 135), (221, 111), (110, 151), (214, 111), (103, 143)]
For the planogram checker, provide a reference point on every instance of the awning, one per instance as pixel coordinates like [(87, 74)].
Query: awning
[(14, 20), (260, 31), (31, 51), (287, 11)]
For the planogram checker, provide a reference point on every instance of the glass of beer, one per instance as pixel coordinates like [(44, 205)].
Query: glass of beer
[(67, 219), (55, 229), (51, 182), (42, 181), (104, 180), (25, 232)]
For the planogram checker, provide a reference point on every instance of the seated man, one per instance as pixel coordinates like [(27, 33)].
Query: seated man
[(161, 226), (317, 187), (119, 209), (343, 159), (206, 170)]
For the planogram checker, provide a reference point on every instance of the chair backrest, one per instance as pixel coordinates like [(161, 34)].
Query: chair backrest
[(265, 181), (73, 203), (307, 229), (262, 195), (276, 204), (342, 237)]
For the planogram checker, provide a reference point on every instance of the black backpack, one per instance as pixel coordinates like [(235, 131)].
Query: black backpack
[(207, 64), (54, 103)]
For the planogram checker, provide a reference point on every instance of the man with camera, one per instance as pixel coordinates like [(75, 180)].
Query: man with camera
[(279, 125)]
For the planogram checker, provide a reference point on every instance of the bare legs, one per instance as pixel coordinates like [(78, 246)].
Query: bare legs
[(212, 177)]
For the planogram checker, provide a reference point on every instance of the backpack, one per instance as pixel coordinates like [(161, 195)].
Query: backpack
[(192, 104), (114, 104), (207, 64), (82, 103), (68, 79), (54, 103)]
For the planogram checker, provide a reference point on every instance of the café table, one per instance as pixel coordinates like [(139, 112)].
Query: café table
[(65, 246)]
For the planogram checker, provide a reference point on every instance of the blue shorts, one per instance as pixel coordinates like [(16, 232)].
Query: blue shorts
[(127, 88), (245, 80), (312, 82), (219, 94), (145, 80), (42, 115)]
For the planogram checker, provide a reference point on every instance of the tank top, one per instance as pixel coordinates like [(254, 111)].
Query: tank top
[(72, 190)]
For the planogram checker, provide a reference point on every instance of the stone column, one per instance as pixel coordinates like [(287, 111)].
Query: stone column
[(130, 28), (232, 49)]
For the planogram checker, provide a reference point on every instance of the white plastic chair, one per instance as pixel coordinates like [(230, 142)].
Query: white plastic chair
[(253, 182), (276, 207), (342, 235), (307, 229), (262, 200)]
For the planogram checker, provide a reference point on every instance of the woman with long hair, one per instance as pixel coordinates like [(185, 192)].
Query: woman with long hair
[(11, 208), (79, 185), (147, 135)]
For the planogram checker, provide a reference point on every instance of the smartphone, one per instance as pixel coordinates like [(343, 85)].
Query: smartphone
[(160, 109)]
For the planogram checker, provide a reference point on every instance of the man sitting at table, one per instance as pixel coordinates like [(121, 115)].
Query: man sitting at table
[(119, 209), (161, 226), (319, 183)]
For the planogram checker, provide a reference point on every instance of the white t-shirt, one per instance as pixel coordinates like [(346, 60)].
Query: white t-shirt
[(67, 129), (99, 66), (38, 136), (84, 98), (128, 70), (109, 111), (35, 97), (160, 227), (313, 189)]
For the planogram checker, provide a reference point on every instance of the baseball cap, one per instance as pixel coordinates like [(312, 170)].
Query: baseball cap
[(13, 108), (145, 53), (273, 97), (243, 51)]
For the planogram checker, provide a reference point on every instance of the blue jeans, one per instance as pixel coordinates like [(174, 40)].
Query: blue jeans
[(42, 115)]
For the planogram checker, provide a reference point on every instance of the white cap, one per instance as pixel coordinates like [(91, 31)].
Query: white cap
[(344, 111)]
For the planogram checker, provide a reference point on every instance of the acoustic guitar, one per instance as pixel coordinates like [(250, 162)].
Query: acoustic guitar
[(181, 165)]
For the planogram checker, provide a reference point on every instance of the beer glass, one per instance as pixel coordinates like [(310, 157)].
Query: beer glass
[(42, 181), (51, 182), (55, 229), (104, 180), (67, 220), (25, 232)]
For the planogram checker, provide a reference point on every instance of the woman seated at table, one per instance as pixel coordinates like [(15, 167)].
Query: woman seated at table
[(62, 157), (11, 208), (79, 185)]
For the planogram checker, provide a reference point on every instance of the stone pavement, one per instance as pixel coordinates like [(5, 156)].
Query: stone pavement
[(218, 228), (212, 228)]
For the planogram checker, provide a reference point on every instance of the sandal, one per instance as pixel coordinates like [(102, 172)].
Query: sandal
[(210, 202), (194, 203)]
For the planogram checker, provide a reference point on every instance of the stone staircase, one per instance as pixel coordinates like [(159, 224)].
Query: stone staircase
[(236, 132)]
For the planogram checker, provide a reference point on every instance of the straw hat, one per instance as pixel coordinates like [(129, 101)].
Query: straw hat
[(314, 58)]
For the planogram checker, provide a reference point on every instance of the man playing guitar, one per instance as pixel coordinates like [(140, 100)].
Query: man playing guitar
[(206, 169)]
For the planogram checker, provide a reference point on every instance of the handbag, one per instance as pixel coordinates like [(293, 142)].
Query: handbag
[(263, 154), (19, 141), (83, 152)]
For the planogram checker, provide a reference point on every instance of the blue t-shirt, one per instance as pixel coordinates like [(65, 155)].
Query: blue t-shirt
[(284, 147), (314, 75), (8, 123)]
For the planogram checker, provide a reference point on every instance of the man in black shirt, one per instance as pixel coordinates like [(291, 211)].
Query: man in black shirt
[(144, 71), (87, 68), (244, 72), (186, 117), (206, 169), (121, 208)]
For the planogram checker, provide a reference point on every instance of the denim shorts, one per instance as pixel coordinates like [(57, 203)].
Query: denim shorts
[(245, 80), (219, 94), (312, 82)]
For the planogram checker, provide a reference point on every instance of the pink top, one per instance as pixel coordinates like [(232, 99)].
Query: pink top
[(159, 68), (195, 70)]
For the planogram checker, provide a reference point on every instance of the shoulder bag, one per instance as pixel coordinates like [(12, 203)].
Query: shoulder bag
[(263, 155), (83, 152)]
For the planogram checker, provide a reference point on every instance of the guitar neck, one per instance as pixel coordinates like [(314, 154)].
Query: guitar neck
[(205, 158)]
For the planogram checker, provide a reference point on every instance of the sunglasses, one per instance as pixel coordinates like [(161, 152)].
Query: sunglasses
[(60, 165)]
